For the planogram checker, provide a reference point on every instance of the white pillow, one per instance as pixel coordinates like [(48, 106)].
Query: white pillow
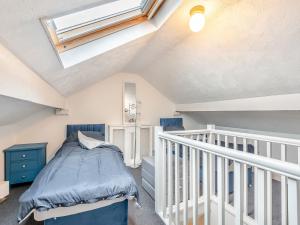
[(89, 142)]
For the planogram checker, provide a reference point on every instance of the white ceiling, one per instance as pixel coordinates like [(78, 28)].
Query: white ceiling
[(248, 48), (13, 110)]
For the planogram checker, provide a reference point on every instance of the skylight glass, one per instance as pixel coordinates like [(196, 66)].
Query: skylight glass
[(98, 13), (80, 35)]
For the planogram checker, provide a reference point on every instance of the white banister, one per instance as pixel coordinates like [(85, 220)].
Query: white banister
[(245, 176), (177, 186), (226, 174), (283, 190), (185, 189), (221, 202), (164, 175), (195, 164), (255, 181), (179, 158), (261, 206), (290, 169), (293, 202), (238, 193), (269, 188), (170, 182), (206, 188)]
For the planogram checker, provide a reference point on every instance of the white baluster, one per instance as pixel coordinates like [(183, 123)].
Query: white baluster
[(293, 202), (177, 185), (206, 188), (195, 159), (269, 188), (298, 155), (255, 181), (191, 175), (185, 189), (283, 190), (238, 193), (221, 205), (245, 149), (226, 174), (170, 182), (261, 206), (164, 174)]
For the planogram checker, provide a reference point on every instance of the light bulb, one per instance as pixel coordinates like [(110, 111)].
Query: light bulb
[(197, 22)]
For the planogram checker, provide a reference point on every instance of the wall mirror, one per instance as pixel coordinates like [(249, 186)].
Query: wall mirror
[(129, 103)]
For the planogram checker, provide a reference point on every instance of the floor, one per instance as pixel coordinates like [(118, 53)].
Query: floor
[(137, 216)]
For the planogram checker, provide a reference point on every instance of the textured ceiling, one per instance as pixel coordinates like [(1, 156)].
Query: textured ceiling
[(13, 110), (248, 48)]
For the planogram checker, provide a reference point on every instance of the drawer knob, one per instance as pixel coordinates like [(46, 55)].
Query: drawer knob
[(24, 166), (23, 177), (23, 156)]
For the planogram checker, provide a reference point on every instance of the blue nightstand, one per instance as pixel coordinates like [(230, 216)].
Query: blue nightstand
[(24, 162)]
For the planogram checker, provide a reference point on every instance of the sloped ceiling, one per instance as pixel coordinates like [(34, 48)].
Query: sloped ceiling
[(13, 110), (248, 48)]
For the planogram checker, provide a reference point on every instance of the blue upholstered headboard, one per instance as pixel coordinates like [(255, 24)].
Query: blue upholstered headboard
[(86, 127), (171, 122)]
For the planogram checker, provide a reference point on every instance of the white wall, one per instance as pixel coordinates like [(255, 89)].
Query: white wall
[(18, 81), (100, 103), (7, 138)]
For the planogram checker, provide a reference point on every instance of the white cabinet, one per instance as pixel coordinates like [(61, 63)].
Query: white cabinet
[(135, 142)]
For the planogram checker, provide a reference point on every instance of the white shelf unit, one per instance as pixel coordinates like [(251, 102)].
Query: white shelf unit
[(132, 140)]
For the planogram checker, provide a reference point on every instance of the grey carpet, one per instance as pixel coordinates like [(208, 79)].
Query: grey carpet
[(137, 216)]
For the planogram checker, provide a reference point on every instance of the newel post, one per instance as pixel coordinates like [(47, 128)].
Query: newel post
[(159, 157)]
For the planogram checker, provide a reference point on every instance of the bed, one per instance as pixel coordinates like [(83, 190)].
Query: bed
[(80, 186)]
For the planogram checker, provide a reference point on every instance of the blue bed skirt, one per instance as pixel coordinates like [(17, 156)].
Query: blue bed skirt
[(115, 214)]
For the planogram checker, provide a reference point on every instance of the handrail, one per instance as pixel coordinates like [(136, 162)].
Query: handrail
[(279, 140), (182, 132), (258, 137), (289, 169)]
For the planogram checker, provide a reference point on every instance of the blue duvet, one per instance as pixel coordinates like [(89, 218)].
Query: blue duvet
[(76, 175)]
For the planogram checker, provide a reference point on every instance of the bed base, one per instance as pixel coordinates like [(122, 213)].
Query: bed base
[(115, 214)]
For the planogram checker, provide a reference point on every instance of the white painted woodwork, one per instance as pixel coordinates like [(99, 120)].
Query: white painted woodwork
[(130, 142), (159, 165), (206, 187), (269, 188), (177, 186), (238, 193), (226, 175), (264, 167), (293, 202), (170, 181), (185, 188), (245, 176), (261, 194), (195, 163), (283, 189), (164, 177), (221, 190)]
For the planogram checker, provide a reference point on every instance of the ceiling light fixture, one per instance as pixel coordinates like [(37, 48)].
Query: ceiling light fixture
[(197, 20)]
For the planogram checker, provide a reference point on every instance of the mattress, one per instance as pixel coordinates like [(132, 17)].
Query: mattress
[(76, 176), (72, 210)]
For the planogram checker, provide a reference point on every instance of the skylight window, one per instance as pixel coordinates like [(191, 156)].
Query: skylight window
[(70, 31)]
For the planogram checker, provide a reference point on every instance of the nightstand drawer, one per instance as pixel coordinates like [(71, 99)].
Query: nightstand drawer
[(24, 165), (22, 177), (24, 155)]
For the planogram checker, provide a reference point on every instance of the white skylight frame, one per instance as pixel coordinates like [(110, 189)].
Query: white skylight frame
[(88, 16), (109, 31)]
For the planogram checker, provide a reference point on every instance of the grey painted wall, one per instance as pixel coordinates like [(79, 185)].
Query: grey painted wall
[(276, 123), (279, 123)]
